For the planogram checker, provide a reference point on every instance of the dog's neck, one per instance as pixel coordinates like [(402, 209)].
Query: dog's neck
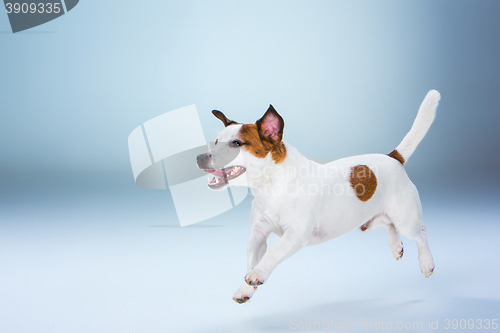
[(276, 174)]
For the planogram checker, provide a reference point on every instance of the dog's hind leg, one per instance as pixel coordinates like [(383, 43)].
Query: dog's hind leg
[(406, 214), (424, 253), (395, 243), (257, 246)]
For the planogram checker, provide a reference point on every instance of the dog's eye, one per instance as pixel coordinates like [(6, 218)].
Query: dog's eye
[(236, 143)]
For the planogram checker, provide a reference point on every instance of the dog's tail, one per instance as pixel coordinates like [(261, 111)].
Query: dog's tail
[(423, 121)]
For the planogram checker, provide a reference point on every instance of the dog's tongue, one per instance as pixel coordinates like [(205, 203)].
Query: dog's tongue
[(218, 173)]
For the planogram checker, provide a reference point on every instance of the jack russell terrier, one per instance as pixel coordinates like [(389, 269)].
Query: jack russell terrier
[(307, 203)]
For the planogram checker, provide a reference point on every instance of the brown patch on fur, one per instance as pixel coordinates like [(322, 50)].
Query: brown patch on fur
[(397, 156), (363, 181), (251, 140), (368, 224), (253, 144), (279, 153), (365, 226)]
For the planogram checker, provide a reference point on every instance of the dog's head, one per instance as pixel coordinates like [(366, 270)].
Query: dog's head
[(241, 151)]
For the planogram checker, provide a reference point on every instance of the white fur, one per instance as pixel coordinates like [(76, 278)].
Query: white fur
[(423, 121), (318, 204)]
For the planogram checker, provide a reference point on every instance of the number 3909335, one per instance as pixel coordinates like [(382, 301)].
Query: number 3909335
[(33, 8)]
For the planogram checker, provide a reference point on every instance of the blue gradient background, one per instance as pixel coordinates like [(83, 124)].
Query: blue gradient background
[(83, 249)]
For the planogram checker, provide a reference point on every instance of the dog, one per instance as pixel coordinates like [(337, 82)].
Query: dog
[(306, 203)]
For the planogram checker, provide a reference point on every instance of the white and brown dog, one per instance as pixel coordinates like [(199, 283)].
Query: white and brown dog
[(306, 203)]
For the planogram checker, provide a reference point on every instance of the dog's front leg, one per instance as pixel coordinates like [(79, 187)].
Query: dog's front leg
[(257, 246), (292, 241)]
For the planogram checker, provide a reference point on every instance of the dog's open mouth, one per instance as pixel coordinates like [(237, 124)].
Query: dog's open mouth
[(223, 176)]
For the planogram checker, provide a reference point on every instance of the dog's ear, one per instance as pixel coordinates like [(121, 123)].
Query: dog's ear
[(223, 118), (271, 126)]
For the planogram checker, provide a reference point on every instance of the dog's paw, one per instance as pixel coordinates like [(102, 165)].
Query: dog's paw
[(426, 265), (244, 293), (256, 277), (398, 251)]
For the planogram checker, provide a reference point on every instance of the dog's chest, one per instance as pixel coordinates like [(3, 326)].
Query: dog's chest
[(268, 210)]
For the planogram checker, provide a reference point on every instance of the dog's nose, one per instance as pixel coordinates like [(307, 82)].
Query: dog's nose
[(203, 157), (203, 160)]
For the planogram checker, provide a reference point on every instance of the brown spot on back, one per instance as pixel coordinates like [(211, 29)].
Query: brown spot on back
[(363, 181), (397, 156), (253, 144)]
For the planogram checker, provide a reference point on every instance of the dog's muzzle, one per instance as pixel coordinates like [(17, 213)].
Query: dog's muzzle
[(222, 176)]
